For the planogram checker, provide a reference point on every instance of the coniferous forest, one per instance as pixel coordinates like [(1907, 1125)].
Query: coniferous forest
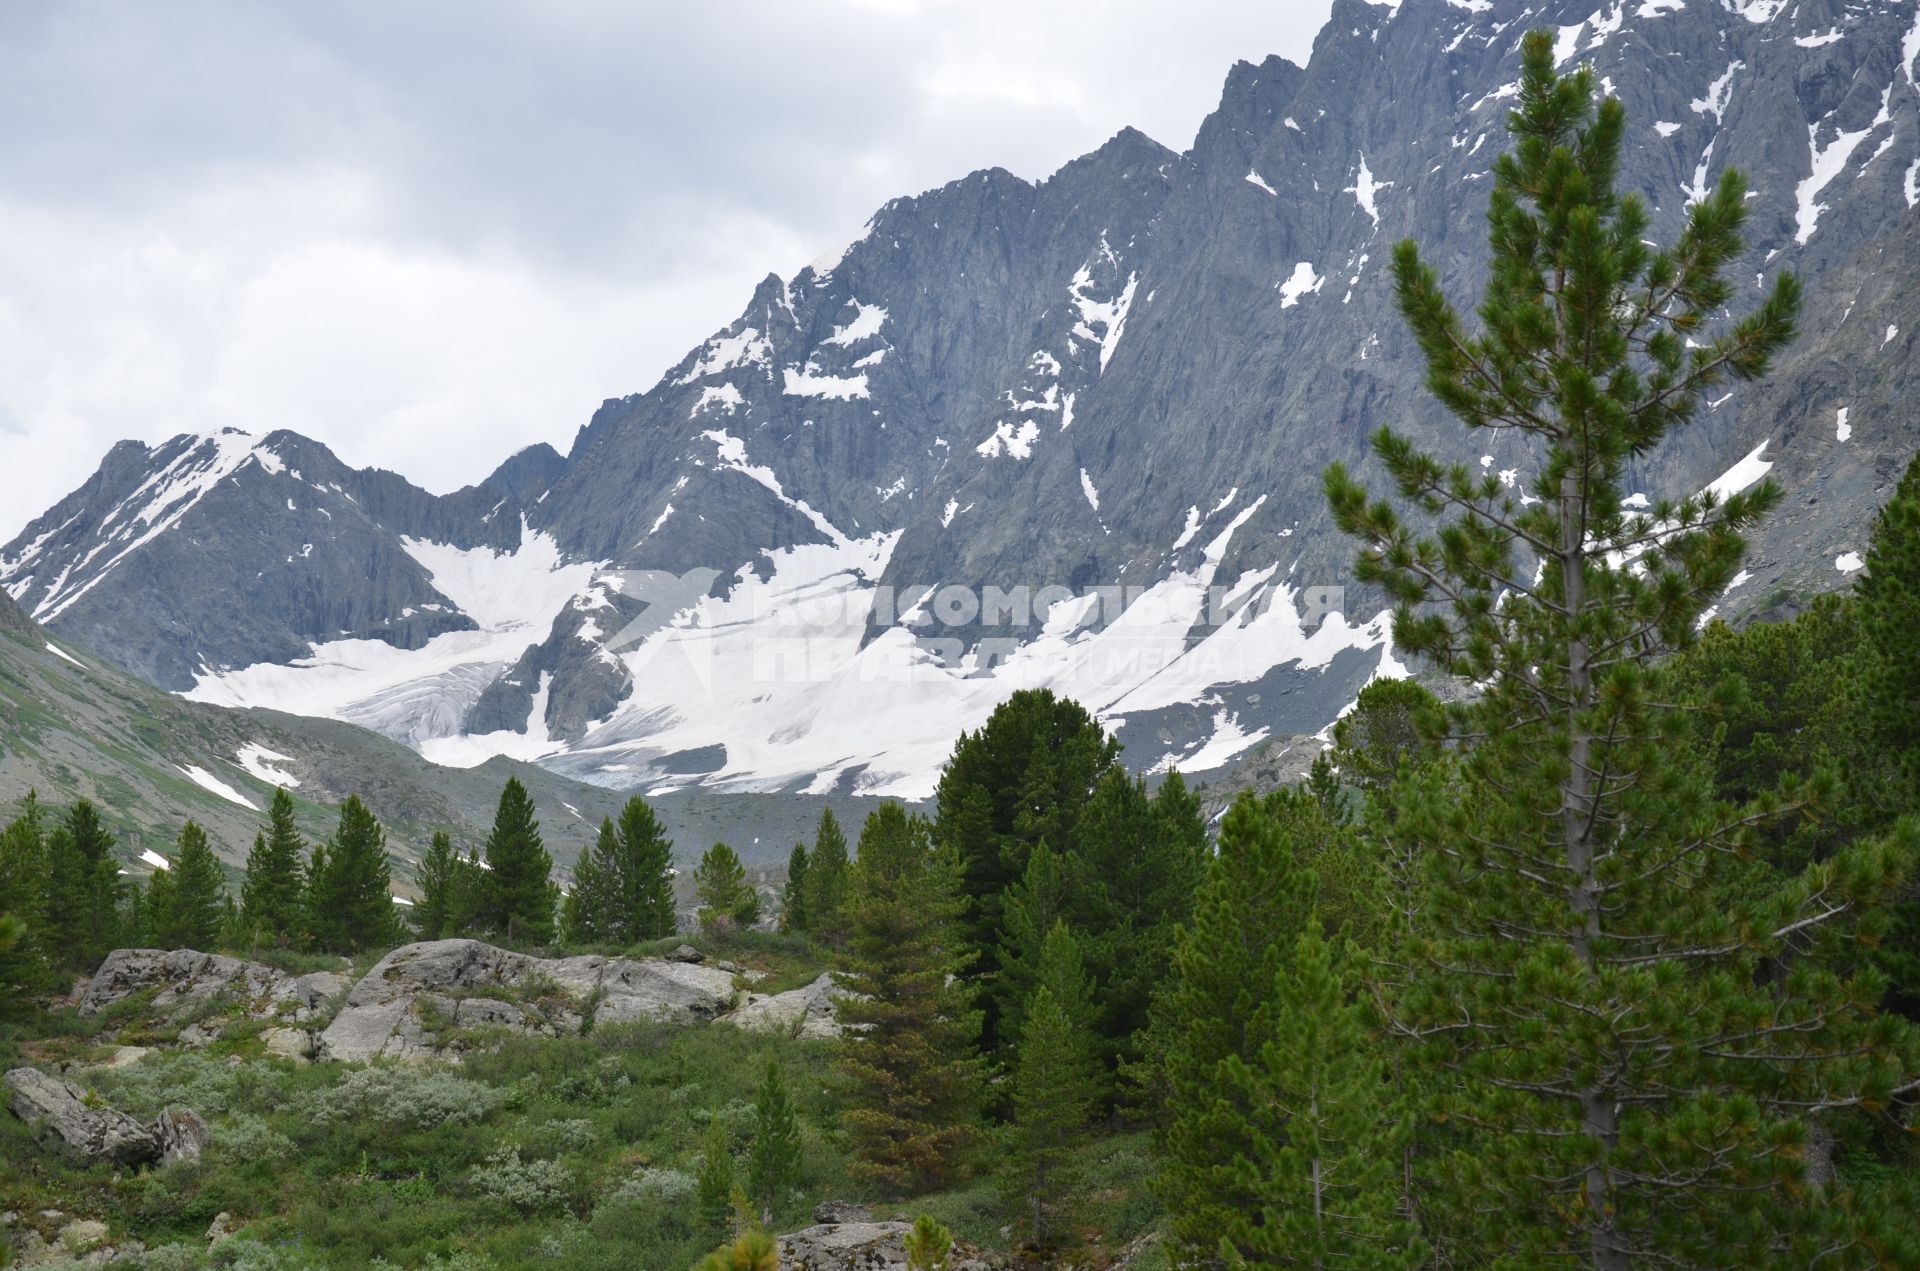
[(1597, 944)]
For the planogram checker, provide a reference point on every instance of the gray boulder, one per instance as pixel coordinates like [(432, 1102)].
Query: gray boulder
[(419, 992), (860, 1246), (59, 1110), (806, 1013), (183, 1135), (186, 979)]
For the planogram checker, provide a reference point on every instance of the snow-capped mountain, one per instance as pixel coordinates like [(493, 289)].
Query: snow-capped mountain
[(1065, 433)]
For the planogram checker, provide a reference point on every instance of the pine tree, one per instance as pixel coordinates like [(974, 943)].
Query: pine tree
[(1130, 881), (1023, 778), (1253, 904), (793, 899), (1032, 908), (1889, 618), (185, 904), (271, 889), (644, 881), (928, 1245), (773, 1163), (713, 1185), (520, 894), (826, 892), (350, 891), (466, 893), (1634, 1020), (586, 915), (83, 889), (1057, 1083), (1323, 1134), (914, 1081), (24, 969), (433, 915), (721, 881)]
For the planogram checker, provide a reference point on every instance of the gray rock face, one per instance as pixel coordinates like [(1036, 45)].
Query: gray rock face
[(419, 991), (1133, 372), (803, 1012), (60, 1111), (186, 979), (859, 1246), (182, 1134)]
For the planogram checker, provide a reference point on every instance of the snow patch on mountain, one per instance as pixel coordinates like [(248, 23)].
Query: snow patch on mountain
[(213, 785), (263, 764)]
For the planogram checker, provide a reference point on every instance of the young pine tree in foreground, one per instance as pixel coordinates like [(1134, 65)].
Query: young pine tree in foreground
[(773, 1162), (1252, 906), (270, 890), (1324, 1134), (713, 1184), (1058, 1081), (912, 1077), (1633, 1022)]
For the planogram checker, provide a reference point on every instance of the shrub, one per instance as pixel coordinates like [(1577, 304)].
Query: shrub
[(666, 1187), (529, 1186), (409, 1097)]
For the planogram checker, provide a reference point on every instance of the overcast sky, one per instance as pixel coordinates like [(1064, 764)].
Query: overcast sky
[(429, 234)]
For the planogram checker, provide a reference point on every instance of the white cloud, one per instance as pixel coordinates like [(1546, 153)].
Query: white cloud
[(431, 234)]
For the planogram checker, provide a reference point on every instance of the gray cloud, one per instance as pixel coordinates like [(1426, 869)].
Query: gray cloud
[(431, 233)]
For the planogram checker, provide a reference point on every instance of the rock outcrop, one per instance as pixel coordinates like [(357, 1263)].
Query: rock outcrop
[(182, 1134), (861, 1246), (420, 992), (187, 979), (422, 999), (803, 1012), (60, 1110)]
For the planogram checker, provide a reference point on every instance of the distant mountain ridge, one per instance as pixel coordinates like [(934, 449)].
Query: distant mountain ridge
[(1129, 375)]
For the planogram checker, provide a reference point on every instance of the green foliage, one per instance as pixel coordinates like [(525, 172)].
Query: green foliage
[(1324, 1138), (1022, 779), (83, 889), (24, 967), (349, 889), (431, 917), (928, 1245), (1030, 910), (721, 882), (793, 898), (623, 887), (713, 1185), (1629, 1017), (1254, 904), (271, 889), (1889, 608), (186, 903), (913, 1080), (519, 895), (773, 1160), (1130, 883), (825, 897), (1056, 1085)]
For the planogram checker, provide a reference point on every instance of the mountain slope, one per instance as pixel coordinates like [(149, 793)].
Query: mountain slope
[(1067, 433)]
